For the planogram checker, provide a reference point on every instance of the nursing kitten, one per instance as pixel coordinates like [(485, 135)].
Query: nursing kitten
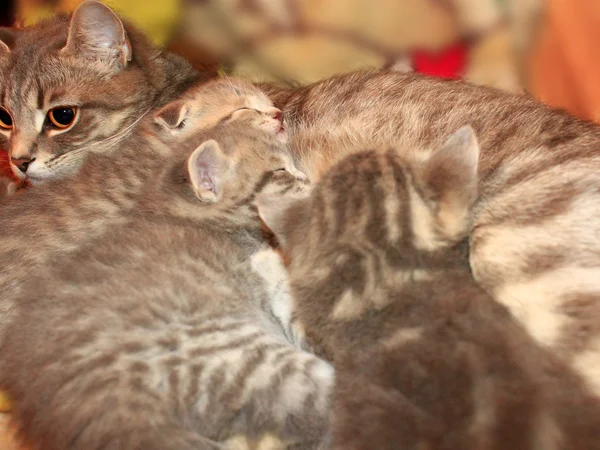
[(159, 334), (79, 85), (211, 102), (536, 227), (424, 358)]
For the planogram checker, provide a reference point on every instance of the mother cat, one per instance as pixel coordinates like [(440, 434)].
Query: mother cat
[(69, 87), (535, 229)]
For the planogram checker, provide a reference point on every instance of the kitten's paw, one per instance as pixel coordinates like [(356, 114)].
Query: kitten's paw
[(268, 264)]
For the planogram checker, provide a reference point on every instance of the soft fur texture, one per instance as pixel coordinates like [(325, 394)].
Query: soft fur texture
[(424, 357), (535, 225)]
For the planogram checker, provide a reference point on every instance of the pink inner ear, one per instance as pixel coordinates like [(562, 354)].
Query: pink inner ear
[(204, 178), (204, 167), (208, 184)]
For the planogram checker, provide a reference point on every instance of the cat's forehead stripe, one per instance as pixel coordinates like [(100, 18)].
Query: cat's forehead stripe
[(40, 117)]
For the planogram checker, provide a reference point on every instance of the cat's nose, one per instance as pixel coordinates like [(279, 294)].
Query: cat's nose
[(22, 163), (278, 115)]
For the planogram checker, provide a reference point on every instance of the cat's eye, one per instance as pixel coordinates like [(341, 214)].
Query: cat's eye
[(62, 117), (6, 121)]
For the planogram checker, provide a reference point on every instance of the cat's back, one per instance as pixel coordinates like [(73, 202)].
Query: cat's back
[(351, 112)]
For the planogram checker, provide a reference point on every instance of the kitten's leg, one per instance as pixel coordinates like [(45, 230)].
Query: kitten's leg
[(269, 265), (119, 379), (139, 407), (259, 384)]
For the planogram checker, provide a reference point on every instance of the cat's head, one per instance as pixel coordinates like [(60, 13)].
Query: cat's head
[(220, 175), (404, 205), (70, 86), (207, 104)]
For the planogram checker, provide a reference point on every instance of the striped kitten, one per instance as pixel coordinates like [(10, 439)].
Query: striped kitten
[(159, 334), (79, 85), (535, 232), (424, 358)]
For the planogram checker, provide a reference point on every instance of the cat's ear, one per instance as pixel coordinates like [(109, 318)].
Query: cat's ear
[(275, 210), (451, 175), (96, 33), (206, 167), (7, 38), (172, 115)]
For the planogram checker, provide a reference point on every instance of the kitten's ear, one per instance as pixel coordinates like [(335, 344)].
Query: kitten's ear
[(96, 33), (450, 174), (206, 167), (274, 210), (7, 39), (171, 116)]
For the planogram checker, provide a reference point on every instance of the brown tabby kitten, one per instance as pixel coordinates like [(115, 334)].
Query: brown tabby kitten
[(535, 232), (79, 85), (424, 358), (159, 334), (59, 219)]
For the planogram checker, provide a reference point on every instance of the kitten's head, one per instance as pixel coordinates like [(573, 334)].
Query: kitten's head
[(246, 153), (205, 105), (70, 86), (407, 206)]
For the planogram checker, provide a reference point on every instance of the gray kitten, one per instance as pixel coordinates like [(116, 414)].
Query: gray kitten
[(424, 357), (78, 85), (159, 334)]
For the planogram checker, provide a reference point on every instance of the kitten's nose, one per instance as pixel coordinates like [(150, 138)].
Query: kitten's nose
[(22, 163), (278, 115)]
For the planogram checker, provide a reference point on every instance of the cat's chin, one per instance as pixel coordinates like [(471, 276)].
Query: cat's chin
[(38, 177), (36, 181), (40, 174)]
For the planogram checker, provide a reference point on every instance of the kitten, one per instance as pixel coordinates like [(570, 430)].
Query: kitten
[(424, 358), (211, 102), (159, 334), (79, 85), (535, 226)]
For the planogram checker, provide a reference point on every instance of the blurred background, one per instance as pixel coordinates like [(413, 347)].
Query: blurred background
[(545, 47)]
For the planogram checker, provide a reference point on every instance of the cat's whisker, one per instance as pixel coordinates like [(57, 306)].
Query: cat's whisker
[(108, 142)]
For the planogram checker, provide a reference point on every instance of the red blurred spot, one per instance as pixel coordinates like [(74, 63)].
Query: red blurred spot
[(448, 63), (5, 170)]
